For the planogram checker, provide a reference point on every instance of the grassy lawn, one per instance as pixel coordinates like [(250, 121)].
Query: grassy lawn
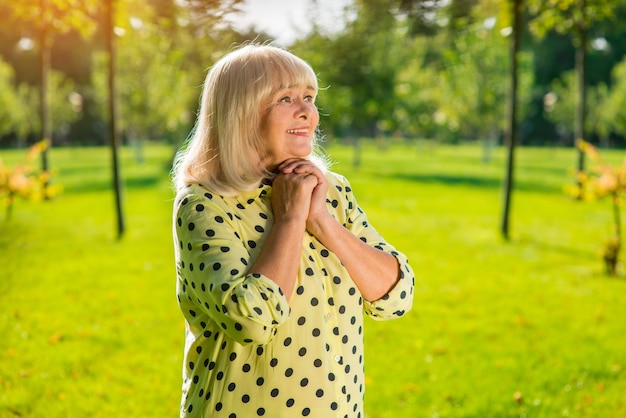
[(89, 325)]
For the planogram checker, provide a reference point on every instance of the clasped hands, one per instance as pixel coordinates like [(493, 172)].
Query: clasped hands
[(299, 193)]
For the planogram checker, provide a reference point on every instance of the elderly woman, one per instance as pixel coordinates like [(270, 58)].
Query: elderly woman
[(275, 260)]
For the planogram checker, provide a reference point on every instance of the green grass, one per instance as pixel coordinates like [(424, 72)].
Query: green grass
[(90, 328)]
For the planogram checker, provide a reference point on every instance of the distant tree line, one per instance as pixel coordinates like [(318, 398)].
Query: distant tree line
[(390, 69)]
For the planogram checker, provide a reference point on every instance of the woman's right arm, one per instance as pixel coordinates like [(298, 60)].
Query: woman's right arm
[(279, 258), (215, 279), (215, 283)]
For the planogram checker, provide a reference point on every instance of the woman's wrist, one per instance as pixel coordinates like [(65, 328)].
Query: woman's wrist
[(320, 224)]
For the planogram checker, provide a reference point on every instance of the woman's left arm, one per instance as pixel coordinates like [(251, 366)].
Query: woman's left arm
[(374, 270)]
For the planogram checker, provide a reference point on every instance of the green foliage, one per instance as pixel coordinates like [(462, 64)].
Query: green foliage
[(615, 104), (477, 109), (560, 103), (451, 87), (66, 104), (606, 105), (60, 16), (90, 325), (14, 116), (19, 104), (160, 69), (566, 16)]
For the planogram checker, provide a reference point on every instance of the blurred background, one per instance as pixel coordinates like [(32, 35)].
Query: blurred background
[(395, 69)]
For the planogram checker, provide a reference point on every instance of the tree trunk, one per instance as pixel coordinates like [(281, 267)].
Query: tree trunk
[(114, 135), (581, 109), (511, 131), (44, 109)]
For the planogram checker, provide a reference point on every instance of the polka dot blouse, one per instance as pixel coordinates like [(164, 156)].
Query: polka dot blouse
[(250, 353)]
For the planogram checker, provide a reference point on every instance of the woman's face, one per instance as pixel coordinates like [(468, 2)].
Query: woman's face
[(289, 124)]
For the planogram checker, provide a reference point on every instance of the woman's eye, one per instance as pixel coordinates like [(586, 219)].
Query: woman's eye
[(285, 99), (309, 98)]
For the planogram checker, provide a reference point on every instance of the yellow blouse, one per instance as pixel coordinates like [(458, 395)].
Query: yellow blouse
[(250, 353)]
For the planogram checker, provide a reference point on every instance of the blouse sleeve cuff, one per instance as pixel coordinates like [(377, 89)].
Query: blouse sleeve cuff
[(399, 300), (262, 307)]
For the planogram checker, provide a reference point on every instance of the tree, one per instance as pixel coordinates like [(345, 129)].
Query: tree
[(148, 109), (359, 67), (113, 128), (511, 131), (577, 17), (49, 18), (479, 53)]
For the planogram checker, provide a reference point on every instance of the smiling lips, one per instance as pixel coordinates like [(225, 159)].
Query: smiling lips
[(298, 131)]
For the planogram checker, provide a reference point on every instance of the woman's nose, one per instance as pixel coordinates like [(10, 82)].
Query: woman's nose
[(305, 110)]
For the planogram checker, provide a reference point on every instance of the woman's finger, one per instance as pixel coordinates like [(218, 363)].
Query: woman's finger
[(296, 165)]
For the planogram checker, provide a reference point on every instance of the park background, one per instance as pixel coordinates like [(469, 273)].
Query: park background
[(518, 323)]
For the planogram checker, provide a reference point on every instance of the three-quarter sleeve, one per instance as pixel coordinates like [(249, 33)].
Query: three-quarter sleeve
[(213, 281), (399, 299)]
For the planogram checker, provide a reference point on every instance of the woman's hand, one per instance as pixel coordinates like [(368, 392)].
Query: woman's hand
[(299, 167), (291, 195)]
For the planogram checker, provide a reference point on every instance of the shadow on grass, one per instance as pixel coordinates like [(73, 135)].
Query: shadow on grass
[(475, 182), (100, 185), (551, 247)]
